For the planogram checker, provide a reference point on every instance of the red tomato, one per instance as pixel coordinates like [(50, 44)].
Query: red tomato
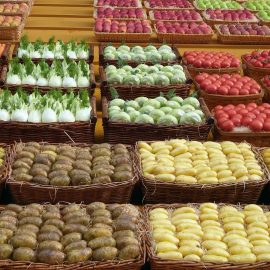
[(246, 121), (233, 91), (266, 105), (231, 112), (250, 115), (256, 125), (228, 107), (220, 113), (252, 105), (256, 111), (243, 92), (243, 112), (241, 106), (236, 121), (262, 115), (218, 107), (266, 126), (222, 90), (227, 125)]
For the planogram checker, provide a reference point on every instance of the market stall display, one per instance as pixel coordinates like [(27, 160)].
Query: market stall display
[(73, 235), (221, 172), (77, 172), (207, 235)]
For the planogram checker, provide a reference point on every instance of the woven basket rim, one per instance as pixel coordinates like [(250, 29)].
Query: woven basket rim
[(189, 264), (126, 34), (158, 183), (250, 66), (130, 182), (91, 264), (152, 17)]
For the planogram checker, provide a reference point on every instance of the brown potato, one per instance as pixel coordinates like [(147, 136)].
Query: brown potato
[(96, 232), (43, 158), (51, 215), (104, 241), (7, 232), (43, 167), (52, 208), (22, 231), (28, 212), (7, 225), (3, 239), (64, 147), (70, 238), (81, 166), (101, 152), (20, 171), (35, 206), (101, 145), (10, 219), (56, 222), (105, 179), (75, 214), (49, 147), (51, 256), (117, 160), (101, 161), (105, 226), (101, 219), (14, 207), (83, 220), (101, 212), (112, 206), (67, 159), (90, 208), (105, 254), (103, 166), (101, 172), (122, 176), (63, 180), (8, 213), (122, 234), (38, 171), (81, 179), (23, 177), (71, 208), (57, 173), (63, 161), (65, 167), (24, 254), (69, 228), (34, 144), (79, 255), (119, 150), (31, 149), (30, 227), (120, 225), (129, 209), (75, 245), (75, 172), (82, 154), (50, 244), (120, 145), (42, 180), (122, 242), (50, 228), (23, 241), (27, 161), (70, 154), (31, 220), (123, 167), (84, 161), (25, 154), (48, 236), (5, 251), (129, 252)]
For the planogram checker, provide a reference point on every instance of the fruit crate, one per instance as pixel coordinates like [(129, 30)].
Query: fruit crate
[(212, 100), (114, 192), (50, 60), (104, 62), (149, 8), (155, 191), (95, 15), (213, 22), (150, 91), (83, 132), (130, 133), (116, 264), (154, 20), (266, 89), (241, 39), (183, 38), (254, 72), (12, 33), (13, 87), (157, 263)]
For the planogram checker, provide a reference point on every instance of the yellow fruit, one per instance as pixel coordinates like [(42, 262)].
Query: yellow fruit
[(242, 258), (165, 238), (211, 244), (144, 145), (233, 226), (255, 230), (187, 236), (170, 255), (165, 247), (204, 217), (230, 179), (255, 237), (263, 249), (256, 218), (163, 231), (259, 243), (200, 163), (258, 224), (163, 170), (207, 174), (218, 252), (210, 180), (212, 236), (181, 149), (165, 177), (224, 174), (233, 219), (239, 242), (234, 250), (183, 226), (183, 210), (227, 208), (146, 155), (164, 226), (208, 205), (192, 258), (229, 237), (209, 211), (159, 210), (158, 216), (191, 243), (214, 259), (187, 171), (263, 258), (160, 148), (196, 231), (210, 144), (187, 250), (191, 216)]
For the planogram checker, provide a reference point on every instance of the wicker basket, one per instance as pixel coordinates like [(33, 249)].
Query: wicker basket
[(83, 132), (266, 97), (154, 20), (12, 33), (13, 87), (242, 39), (183, 38), (260, 139), (253, 72), (5, 54), (135, 264), (115, 192), (213, 22), (212, 100), (49, 61), (130, 133), (120, 37), (150, 91), (95, 16), (95, 5), (159, 264), (246, 192), (104, 62), (148, 8)]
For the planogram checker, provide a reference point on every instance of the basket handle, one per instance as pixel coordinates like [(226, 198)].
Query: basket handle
[(105, 115)]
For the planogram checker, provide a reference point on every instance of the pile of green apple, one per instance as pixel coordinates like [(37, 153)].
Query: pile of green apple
[(264, 15), (145, 75), (257, 5), (217, 4)]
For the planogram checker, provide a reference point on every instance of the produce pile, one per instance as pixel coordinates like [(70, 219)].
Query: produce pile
[(266, 157), (168, 4), (71, 234), (176, 15), (217, 4), (145, 75), (210, 59), (53, 49), (21, 8), (230, 15), (10, 21), (258, 59), (257, 5), (264, 15), (120, 13), (119, 3), (139, 54), (61, 73), (192, 162), (54, 106), (243, 118), (244, 29), (65, 165), (159, 111), (227, 84), (211, 233)]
